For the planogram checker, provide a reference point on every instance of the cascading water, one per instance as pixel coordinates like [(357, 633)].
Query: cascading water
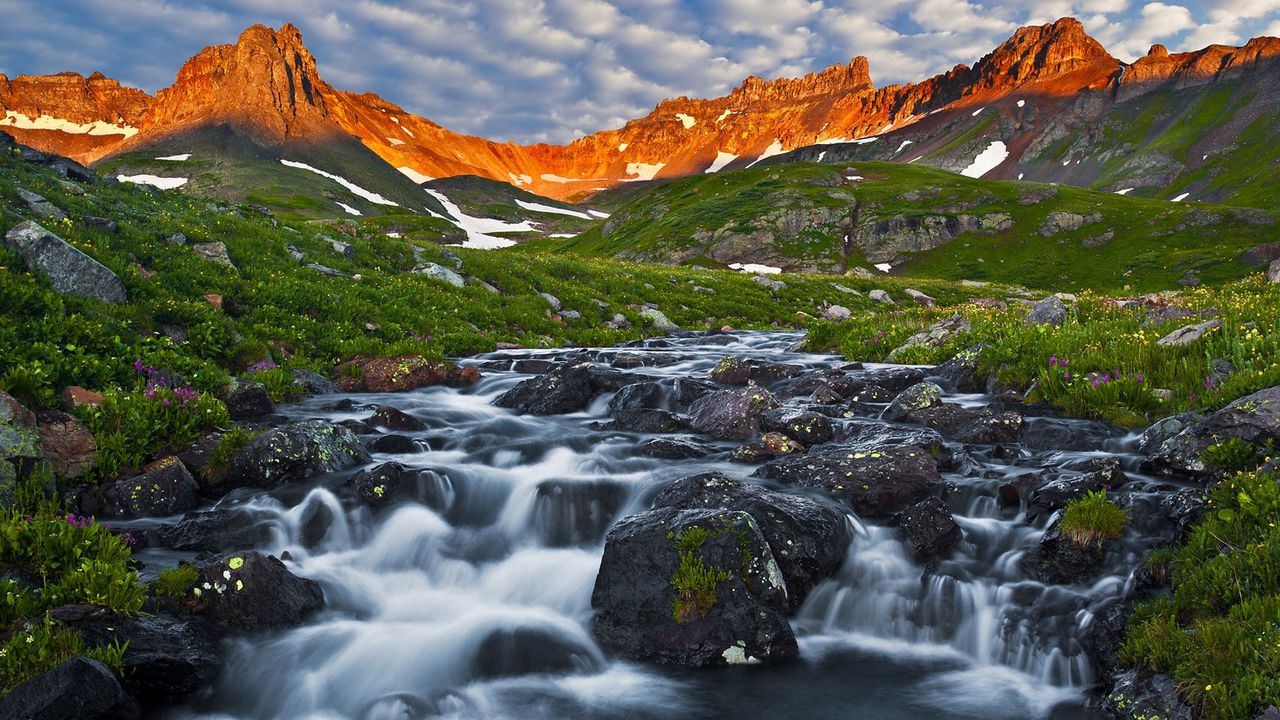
[(477, 605)]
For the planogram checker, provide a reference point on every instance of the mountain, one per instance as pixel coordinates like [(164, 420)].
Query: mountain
[(1048, 104)]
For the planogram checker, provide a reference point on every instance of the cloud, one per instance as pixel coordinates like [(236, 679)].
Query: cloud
[(531, 70)]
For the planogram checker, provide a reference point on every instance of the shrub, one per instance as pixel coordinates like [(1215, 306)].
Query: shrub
[(1235, 455), (1092, 520), (693, 581), (175, 582), (42, 646)]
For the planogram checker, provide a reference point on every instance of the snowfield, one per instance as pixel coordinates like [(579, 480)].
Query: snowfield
[(722, 159), (372, 197), (756, 268), (687, 120), (478, 229), (161, 182), (176, 158), (417, 177), (643, 171), (774, 149), (47, 122), (538, 207), (987, 160), (349, 210)]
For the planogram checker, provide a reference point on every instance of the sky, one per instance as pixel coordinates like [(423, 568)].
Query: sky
[(553, 70)]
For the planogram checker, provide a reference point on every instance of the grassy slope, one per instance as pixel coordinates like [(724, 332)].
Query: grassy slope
[(1155, 242)]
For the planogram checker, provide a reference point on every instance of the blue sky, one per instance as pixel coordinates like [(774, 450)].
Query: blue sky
[(551, 70)]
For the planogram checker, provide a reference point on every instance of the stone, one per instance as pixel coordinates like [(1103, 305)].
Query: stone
[(392, 445), (40, 207), (400, 374), (574, 512), (647, 420), (1060, 561), (837, 313), (1188, 334), (732, 414), (552, 300), (253, 592), (70, 271), (778, 444), (66, 444), (75, 396), (215, 252), (874, 483), (100, 224), (960, 373), (913, 400), (78, 689), (936, 335), (166, 488), (1273, 272), (175, 239), (807, 427), (647, 610), (566, 389), (928, 528), (1254, 419), (881, 297), (441, 273), (736, 371), (391, 418), (248, 400), (343, 249), (391, 483), (671, 449), (1138, 694), (313, 383), (214, 531), (326, 270), (293, 453), (1049, 311), (920, 297), (658, 320)]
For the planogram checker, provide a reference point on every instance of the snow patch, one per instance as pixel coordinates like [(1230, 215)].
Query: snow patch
[(1022, 103), (975, 112), (865, 140), (623, 146), (417, 177), (597, 213), (479, 230), (518, 180), (687, 120), (395, 235), (854, 178), (48, 122), (538, 207), (903, 146), (349, 210), (822, 155), (884, 267), (643, 171), (724, 115), (1125, 191), (160, 182), (774, 149), (919, 158), (559, 236), (756, 268), (176, 158), (722, 159), (548, 177), (1182, 197), (987, 160), (406, 130), (1020, 176), (394, 141), (1066, 162), (372, 197)]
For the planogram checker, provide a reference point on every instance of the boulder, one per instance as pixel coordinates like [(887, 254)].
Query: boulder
[(390, 418), (343, 249), (215, 252), (292, 453), (313, 383), (1254, 419), (1273, 272), (1188, 334), (960, 373), (809, 428), (552, 300), (1060, 561), (928, 528), (880, 296), (1139, 694), (213, 531), (936, 335), (253, 592), (520, 651), (391, 483), (566, 389), (100, 224), (671, 449), (691, 587), (977, 427), (735, 371), (908, 405), (874, 483), (40, 207), (392, 445), (836, 313), (1054, 496), (247, 400), (648, 420), (75, 396), (920, 297), (1049, 311), (78, 689), (70, 271), (166, 488), (808, 539), (66, 443), (637, 396), (732, 414), (400, 374), (441, 273), (659, 321), (71, 170)]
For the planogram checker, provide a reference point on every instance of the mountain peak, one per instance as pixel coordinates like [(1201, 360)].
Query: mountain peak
[(1038, 53), (851, 77)]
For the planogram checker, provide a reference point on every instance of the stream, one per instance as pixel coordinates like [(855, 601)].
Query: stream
[(478, 603)]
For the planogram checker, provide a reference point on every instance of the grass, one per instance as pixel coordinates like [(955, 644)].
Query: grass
[(1092, 520), (693, 581), (175, 582)]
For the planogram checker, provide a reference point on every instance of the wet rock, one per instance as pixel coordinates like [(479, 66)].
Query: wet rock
[(390, 418), (928, 528), (1188, 334), (936, 335), (894, 379), (573, 513), (1137, 694), (637, 396), (1055, 495), (253, 592), (779, 444), (313, 383), (736, 371), (646, 610), (671, 449), (864, 435), (1161, 430), (166, 658), (1253, 419), (875, 483), (1050, 311), (752, 453), (1052, 434), (1060, 561), (69, 271), (960, 373), (976, 427), (40, 207), (827, 385), (566, 389), (393, 445), (391, 483), (519, 651), (912, 401), (292, 453), (212, 531), (247, 401), (166, 488), (214, 252), (648, 420), (732, 414), (400, 374), (66, 444), (687, 391), (809, 428), (78, 689), (809, 539)]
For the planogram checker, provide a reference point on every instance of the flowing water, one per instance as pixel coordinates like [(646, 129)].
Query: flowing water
[(479, 606)]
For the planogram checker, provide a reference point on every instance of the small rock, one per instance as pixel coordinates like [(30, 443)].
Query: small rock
[(914, 399), (175, 239), (392, 418), (768, 282), (1050, 311), (40, 207), (736, 371), (75, 396), (167, 488), (343, 249), (880, 296), (1188, 334), (920, 297), (247, 400), (1273, 272), (552, 300), (659, 320), (732, 414), (928, 528), (837, 313), (326, 270), (213, 252)]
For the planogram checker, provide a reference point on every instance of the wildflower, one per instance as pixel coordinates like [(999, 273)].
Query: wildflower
[(1053, 361)]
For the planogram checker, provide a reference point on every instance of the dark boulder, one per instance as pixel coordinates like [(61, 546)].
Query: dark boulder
[(392, 483), (976, 427), (913, 401), (736, 371), (392, 445), (809, 428), (1060, 561), (518, 651), (313, 383), (293, 453), (100, 224), (687, 391), (70, 271), (71, 170), (165, 489), (894, 379), (1138, 694), (648, 420), (732, 414), (253, 592), (638, 396), (1055, 495), (1050, 311), (78, 689), (808, 539), (387, 417), (830, 385), (960, 373), (671, 449), (1253, 419), (565, 390), (1068, 434), (691, 587), (248, 400), (874, 483), (212, 531), (928, 528)]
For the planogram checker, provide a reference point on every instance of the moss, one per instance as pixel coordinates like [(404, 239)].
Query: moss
[(1092, 520)]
